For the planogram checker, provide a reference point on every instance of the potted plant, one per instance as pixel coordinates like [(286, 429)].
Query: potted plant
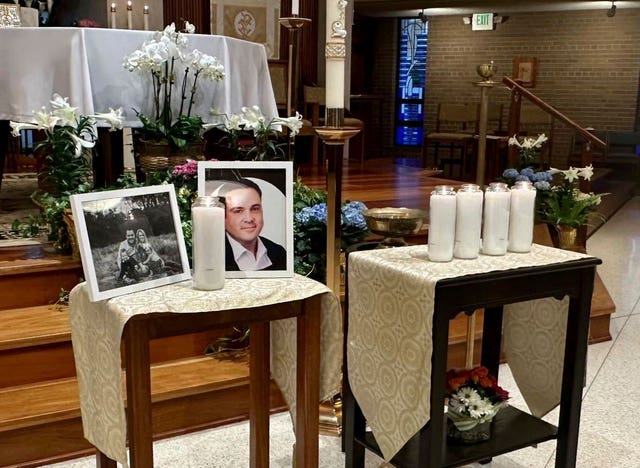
[(171, 133), (66, 166), (473, 400)]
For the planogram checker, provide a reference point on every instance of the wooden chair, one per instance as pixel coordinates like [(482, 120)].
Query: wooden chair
[(314, 99), (456, 125), (278, 74)]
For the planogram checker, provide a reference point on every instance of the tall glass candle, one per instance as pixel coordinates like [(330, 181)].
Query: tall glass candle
[(468, 221), (129, 15), (295, 7), (442, 223), (335, 54), (521, 214), (495, 229), (145, 16), (113, 16), (207, 214)]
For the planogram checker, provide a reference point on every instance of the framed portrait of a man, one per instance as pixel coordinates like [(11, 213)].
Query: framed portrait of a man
[(130, 240), (258, 199)]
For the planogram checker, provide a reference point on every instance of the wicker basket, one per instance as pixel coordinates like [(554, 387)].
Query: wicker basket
[(159, 155)]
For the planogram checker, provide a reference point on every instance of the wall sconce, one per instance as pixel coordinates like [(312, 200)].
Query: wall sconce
[(424, 18), (611, 12), (466, 19), (497, 19)]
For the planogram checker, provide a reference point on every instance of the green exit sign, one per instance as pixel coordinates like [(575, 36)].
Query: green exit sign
[(482, 22)]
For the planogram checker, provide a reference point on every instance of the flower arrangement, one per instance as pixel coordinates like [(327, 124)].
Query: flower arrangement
[(474, 397), (565, 204), (66, 165), (528, 147), (310, 229), (251, 137), (170, 66), (541, 180)]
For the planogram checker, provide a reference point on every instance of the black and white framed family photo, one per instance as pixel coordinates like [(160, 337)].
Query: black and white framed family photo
[(258, 198), (130, 240)]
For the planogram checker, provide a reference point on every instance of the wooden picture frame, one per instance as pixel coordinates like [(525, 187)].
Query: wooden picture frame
[(525, 70), (271, 185), (130, 240)]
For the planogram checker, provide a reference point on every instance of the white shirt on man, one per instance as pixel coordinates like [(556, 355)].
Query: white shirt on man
[(245, 259)]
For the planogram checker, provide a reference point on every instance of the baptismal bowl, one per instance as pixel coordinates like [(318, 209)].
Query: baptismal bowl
[(394, 223), (487, 70)]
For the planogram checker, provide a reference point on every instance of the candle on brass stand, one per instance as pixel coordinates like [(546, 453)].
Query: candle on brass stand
[(129, 14), (145, 17), (486, 71), (113, 16)]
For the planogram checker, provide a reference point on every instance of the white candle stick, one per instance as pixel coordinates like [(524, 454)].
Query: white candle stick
[(113, 16), (495, 230), (442, 223), (335, 53), (521, 214), (295, 7), (208, 244), (468, 221), (129, 14), (146, 17)]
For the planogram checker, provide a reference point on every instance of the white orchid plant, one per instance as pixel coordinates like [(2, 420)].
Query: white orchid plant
[(528, 147), (166, 60), (252, 136), (67, 163), (565, 204)]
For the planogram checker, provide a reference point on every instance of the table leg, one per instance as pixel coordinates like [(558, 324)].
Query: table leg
[(308, 385), (575, 357), (5, 129), (491, 339), (138, 372), (102, 461), (259, 395), (354, 426)]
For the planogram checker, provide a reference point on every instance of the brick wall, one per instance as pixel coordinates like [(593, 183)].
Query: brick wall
[(588, 66)]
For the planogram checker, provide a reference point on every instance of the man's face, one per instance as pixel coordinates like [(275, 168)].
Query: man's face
[(131, 237), (243, 220)]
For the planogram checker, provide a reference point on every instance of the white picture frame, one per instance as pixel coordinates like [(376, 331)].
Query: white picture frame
[(115, 265), (275, 182)]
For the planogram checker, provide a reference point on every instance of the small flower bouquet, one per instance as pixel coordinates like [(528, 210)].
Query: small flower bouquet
[(165, 59), (250, 136), (565, 204), (474, 398), (529, 147)]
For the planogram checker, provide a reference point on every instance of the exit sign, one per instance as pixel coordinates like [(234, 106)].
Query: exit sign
[(482, 22)]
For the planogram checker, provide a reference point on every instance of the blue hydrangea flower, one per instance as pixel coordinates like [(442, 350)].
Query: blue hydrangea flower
[(315, 213), (527, 171), (352, 215), (510, 173), (542, 185)]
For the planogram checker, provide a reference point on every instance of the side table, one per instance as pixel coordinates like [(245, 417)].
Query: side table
[(512, 429)]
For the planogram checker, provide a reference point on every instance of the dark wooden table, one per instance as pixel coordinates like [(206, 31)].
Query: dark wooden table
[(512, 429), (144, 327)]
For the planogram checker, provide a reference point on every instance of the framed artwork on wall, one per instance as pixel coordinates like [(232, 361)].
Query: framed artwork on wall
[(525, 70), (130, 240), (258, 198)]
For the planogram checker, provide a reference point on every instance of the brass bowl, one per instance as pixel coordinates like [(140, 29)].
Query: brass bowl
[(394, 223), (487, 70)]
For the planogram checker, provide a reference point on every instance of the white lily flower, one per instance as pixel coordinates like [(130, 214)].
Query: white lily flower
[(294, 123), (16, 127), (233, 122), (80, 143), (189, 28), (586, 172), (114, 118), (570, 174), (46, 120), (68, 115), (513, 141), (541, 139), (252, 118)]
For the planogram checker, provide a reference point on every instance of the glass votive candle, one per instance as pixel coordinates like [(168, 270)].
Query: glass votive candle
[(468, 221), (442, 223), (207, 214), (495, 229), (521, 215)]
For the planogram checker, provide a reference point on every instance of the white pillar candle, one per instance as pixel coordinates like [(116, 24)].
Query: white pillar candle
[(129, 15), (335, 53), (442, 223), (468, 221), (521, 214), (113, 16), (295, 7), (495, 230), (207, 215), (145, 17)]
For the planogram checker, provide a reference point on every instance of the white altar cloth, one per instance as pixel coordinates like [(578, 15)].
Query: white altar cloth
[(85, 65)]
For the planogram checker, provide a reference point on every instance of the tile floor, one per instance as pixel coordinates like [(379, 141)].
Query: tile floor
[(609, 429)]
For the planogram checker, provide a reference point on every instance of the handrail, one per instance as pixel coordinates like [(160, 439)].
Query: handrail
[(511, 84)]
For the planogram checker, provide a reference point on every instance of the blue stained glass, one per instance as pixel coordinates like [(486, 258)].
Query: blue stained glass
[(409, 136)]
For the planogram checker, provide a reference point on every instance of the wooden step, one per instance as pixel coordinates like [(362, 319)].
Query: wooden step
[(33, 326), (42, 421)]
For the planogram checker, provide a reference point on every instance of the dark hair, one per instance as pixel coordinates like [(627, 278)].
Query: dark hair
[(250, 184)]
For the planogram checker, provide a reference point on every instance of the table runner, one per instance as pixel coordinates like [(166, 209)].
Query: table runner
[(96, 332), (391, 300)]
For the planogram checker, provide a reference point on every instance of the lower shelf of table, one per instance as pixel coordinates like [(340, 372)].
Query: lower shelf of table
[(512, 429)]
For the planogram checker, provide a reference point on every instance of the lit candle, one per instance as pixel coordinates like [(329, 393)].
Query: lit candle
[(468, 221), (129, 14), (495, 230), (146, 17), (442, 223), (113, 16), (523, 200), (207, 215), (295, 7), (335, 53)]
